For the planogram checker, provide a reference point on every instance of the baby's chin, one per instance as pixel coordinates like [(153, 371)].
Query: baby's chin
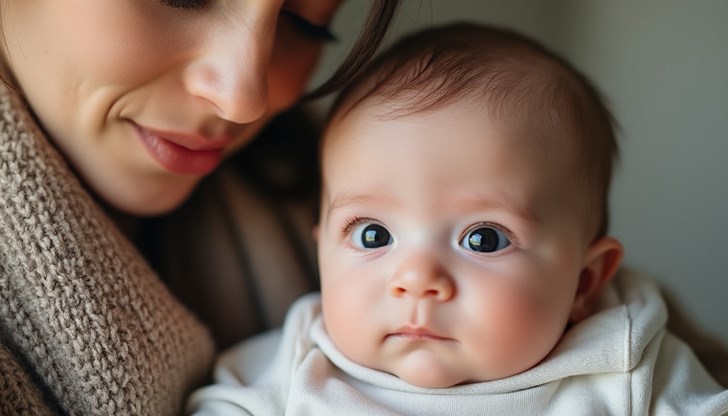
[(431, 380), (424, 370)]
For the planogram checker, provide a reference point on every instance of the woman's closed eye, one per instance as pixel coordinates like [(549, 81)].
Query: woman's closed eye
[(185, 4), (484, 238), (313, 31)]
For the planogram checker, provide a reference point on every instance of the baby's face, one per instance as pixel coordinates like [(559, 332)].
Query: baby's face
[(448, 252)]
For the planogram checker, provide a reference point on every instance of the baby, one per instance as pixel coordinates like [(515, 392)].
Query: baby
[(464, 262)]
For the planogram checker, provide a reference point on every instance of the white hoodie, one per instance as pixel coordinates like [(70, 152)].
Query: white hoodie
[(620, 361)]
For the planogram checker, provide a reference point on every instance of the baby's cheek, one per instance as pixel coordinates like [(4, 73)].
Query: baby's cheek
[(343, 326), (522, 329)]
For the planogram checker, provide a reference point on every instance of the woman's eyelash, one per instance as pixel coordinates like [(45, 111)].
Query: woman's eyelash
[(311, 30), (314, 31), (185, 4)]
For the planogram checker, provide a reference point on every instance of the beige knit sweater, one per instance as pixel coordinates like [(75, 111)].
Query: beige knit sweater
[(86, 328)]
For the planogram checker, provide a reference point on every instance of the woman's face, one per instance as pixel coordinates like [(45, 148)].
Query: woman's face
[(145, 97)]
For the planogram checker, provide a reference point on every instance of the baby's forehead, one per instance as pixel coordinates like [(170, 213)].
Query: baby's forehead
[(529, 127), (483, 161), (529, 143), (521, 132)]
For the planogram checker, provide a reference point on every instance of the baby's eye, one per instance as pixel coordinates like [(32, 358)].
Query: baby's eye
[(485, 239), (370, 236)]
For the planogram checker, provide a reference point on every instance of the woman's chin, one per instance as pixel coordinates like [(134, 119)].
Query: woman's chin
[(150, 200)]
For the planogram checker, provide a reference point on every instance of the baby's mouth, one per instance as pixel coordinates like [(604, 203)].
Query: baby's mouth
[(417, 333)]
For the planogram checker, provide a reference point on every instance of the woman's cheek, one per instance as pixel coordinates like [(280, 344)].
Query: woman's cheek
[(292, 64)]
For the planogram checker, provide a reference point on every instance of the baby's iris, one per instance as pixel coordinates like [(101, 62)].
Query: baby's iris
[(485, 240), (371, 236)]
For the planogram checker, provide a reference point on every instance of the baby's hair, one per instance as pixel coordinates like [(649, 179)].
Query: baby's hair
[(520, 81)]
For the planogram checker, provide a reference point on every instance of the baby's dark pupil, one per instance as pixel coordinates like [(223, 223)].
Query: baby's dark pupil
[(374, 236), (483, 240)]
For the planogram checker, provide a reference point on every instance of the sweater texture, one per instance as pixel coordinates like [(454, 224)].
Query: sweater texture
[(86, 327)]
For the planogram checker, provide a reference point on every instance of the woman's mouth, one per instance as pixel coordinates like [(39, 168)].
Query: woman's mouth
[(182, 153)]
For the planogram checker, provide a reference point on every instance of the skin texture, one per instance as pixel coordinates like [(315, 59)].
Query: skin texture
[(102, 75), (425, 306)]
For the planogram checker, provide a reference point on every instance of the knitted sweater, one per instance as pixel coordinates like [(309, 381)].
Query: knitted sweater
[(86, 328)]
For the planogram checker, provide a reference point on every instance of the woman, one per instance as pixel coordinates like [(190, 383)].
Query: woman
[(116, 110)]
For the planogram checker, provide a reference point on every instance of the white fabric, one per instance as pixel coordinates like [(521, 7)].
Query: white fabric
[(620, 361)]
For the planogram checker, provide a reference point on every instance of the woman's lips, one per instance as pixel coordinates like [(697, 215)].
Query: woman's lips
[(185, 154)]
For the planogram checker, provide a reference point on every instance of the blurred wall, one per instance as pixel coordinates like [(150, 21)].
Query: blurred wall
[(663, 66)]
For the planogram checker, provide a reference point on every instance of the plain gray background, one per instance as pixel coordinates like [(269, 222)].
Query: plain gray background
[(663, 66)]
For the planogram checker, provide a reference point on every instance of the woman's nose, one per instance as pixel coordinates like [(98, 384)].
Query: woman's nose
[(230, 71), (422, 277)]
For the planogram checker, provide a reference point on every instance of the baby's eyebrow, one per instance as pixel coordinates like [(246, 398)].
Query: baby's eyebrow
[(502, 204), (344, 199)]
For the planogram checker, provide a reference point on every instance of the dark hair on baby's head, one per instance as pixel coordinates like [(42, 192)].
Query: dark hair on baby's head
[(519, 81)]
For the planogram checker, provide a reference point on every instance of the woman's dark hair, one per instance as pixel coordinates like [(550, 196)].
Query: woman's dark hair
[(381, 14)]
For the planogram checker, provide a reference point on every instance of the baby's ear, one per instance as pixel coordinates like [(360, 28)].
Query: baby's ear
[(600, 264)]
